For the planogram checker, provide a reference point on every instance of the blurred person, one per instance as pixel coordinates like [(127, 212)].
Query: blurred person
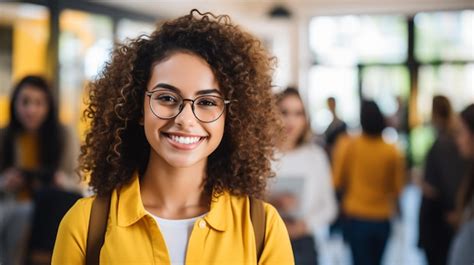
[(310, 205), (183, 130), (370, 174), (444, 169), (399, 120), (32, 147), (338, 149), (462, 245), (335, 128)]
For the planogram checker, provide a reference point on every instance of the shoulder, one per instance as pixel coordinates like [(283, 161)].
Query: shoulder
[(3, 133), (78, 214), (312, 148), (312, 151), (243, 202), (271, 213), (70, 244)]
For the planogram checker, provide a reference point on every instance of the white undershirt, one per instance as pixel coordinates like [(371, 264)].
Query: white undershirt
[(176, 234)]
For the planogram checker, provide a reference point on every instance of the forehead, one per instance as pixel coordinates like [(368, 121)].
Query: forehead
[(31, 92), (291, 101), (185, 71)]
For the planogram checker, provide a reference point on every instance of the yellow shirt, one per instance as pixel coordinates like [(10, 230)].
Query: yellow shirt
[(223, 236), (27, 151), (371, 173), (27, 158)]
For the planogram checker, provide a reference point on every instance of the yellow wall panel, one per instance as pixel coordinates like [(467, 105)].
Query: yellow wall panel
[(30, 40)]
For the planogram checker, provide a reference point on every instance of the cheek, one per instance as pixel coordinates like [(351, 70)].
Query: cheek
[(286, 121), (301, 123), (151, 125), (20, 110), (216, 130), (43, 109), (220, 130)]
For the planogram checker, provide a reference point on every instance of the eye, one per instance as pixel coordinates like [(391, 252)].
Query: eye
[(208, 102), (165, 98)]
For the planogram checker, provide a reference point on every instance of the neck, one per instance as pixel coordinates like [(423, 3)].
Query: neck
[(29, 132), (174, 193)]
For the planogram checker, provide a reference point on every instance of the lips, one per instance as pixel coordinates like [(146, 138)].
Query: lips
[(184, 141)]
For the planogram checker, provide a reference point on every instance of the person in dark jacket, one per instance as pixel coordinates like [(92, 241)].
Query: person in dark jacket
[(444, 169), (461, 248)]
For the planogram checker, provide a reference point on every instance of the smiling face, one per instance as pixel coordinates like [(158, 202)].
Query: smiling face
[(183, 141), (294, 118), (31, 107)]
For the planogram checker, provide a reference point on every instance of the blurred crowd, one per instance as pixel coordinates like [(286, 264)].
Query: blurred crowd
[(347, 180), (351, 180)]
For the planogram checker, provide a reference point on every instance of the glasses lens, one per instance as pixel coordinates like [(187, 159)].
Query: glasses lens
[(165, 104), (208, 108)]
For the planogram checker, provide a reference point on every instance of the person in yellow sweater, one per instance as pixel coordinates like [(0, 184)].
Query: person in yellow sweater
[(35, 150), (370, 174), (183, 131)]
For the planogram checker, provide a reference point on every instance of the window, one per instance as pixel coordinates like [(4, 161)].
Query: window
[(348, 50), (24, 34), (85, 43), (444, 36)]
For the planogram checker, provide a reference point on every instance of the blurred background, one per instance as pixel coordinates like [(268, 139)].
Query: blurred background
[(398, 53)]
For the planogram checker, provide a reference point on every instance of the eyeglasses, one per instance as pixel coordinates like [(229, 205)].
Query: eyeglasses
[(167, 105)]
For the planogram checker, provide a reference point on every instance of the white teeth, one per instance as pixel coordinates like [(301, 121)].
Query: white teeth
[(185, 140)]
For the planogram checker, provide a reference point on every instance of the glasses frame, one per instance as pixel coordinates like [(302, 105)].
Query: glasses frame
[(182, 105)]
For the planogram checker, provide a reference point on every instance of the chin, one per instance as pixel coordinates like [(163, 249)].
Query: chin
[(182, 162)]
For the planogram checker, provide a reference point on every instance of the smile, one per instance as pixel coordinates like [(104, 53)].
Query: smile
[(184, 142)]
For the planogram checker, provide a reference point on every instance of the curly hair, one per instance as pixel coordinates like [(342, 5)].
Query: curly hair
[(115, 146)]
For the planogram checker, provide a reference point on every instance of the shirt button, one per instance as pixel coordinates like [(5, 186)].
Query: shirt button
[(202, 224)]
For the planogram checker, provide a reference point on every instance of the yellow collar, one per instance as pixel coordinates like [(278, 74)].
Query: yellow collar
[(130, 206)]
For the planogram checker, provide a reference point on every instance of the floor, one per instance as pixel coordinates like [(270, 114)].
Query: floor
[(401, 248)]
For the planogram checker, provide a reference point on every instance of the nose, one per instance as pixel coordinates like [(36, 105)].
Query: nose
[(186, 116), (31, 108)]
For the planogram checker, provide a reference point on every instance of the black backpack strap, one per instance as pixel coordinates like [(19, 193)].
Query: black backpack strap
[(97, 227), (257, 216)]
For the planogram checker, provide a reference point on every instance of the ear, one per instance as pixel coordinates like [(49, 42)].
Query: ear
[(141, 121)]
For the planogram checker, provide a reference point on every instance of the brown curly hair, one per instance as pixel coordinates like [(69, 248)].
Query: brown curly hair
[(115, 146)]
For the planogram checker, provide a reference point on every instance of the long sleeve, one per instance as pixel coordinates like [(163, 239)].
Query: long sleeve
[(339, 160), (399, 176), (323, 210)]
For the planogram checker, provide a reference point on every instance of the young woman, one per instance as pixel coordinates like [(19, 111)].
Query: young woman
[(370, 174), (183, 126), (311, 204), (461, 248), (34, 151)]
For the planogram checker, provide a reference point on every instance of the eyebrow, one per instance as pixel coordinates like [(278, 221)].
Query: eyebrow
[(175, 89)]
